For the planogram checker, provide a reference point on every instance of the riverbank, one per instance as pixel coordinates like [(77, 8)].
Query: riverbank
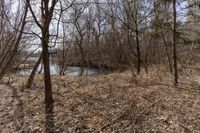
[(105, 103)]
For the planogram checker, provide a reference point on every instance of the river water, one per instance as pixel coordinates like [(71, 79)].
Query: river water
[(54, 69)]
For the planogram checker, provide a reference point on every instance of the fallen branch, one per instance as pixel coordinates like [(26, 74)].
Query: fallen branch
[(147, 108), (188, 89), (124, 112), (134, 121), (178, 87), (157, 124), (117, 117)]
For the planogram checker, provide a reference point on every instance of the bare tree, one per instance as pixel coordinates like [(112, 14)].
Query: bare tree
[(47, 10), (15, 42), (175, 43), (31, 77), (79, 38)]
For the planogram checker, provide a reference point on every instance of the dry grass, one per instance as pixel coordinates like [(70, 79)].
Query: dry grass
[(105, 103)]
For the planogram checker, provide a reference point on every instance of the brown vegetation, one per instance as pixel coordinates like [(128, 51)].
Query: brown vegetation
[(104, 103), (153, 43)]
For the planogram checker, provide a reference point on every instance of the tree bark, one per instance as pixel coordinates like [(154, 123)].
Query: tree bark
[(31, 77), (138, 52), (167, 52), (47, 74), (46, 17), (174, 43), (16, 46)]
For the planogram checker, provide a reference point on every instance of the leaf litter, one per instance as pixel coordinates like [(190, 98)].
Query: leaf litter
[(103, 104)]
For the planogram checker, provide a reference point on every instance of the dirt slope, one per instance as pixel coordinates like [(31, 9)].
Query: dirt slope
[(104, 103)]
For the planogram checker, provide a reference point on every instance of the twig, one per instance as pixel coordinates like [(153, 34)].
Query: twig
[(147, 108), (117, 117), (185, 127), (157, 124), (134, 121), (178, 87), (188, 89)]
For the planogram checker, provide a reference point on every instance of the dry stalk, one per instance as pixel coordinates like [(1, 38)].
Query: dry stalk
[(117, 117), (157, 124), (147, 108)]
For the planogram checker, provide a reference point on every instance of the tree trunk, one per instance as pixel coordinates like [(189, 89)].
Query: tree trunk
[(167, 53), (174, 44), (16, 46), (31, 77), (138, 51), (47, 74)]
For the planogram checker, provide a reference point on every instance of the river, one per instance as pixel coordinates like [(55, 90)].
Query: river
[(54, 69)]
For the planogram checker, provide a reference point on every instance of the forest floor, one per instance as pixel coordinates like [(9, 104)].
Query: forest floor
[(104, 104)]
